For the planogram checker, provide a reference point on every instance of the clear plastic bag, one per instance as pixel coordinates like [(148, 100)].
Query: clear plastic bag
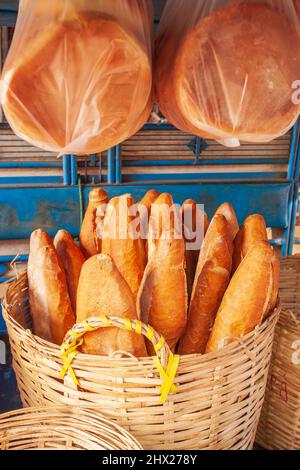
[(225, 69), (78, 77)]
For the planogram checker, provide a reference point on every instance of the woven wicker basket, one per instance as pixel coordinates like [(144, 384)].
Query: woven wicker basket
[(218, 400), (279, 427), (62, 428)]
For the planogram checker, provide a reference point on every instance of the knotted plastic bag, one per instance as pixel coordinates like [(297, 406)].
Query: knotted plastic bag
[(78, 76), (227, 70)]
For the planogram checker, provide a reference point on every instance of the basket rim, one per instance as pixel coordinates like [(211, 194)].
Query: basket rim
[(54, 349)]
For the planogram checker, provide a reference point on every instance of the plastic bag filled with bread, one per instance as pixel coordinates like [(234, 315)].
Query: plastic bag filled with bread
[(78, 77), (227, 69)]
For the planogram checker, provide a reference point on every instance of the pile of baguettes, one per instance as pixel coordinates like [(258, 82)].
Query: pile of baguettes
[(198, 300)]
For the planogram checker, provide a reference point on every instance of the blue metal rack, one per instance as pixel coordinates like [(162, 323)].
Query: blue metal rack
[(38, 190)]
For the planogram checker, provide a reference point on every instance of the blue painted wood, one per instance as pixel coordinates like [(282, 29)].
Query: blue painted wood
[(66, 170), (52, 208)]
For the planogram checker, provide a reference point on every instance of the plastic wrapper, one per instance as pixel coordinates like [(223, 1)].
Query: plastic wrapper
[(226, 69), (78, 77)]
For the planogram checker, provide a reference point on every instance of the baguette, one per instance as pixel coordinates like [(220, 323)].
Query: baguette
[(72, 260), (161, 221), (103, 291), (162, 298), (247, 298), (90, 242), (144, 210), (253, 230), (211, 281), (275, 284), (119, 241), (228, 211), (49, 301), (194, 221)]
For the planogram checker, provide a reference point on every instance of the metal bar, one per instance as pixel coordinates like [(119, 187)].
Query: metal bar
[(66, 170), (293, 153), (110, 167), (74, 172), (293, 222), (118, 162)]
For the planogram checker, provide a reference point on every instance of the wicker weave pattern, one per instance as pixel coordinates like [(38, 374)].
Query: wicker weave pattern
[(279, 426), (217, 404), (62, 428)]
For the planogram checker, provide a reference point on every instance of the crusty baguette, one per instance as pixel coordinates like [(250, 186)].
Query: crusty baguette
[(89, 239), (162, 298), (49, 300), (275, 283), (211, 281), (120, 242), (72, 260), (144, 210), (253, 230), (161, 221), (247, 298), (228, 211), (194, 222), (103, 291)]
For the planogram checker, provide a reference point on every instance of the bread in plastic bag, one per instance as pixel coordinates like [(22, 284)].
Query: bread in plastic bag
[(225, 69), (78, 77)]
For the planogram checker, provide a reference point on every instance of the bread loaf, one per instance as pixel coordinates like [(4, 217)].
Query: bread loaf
[(103, 291), (275, 282), (247, 298), (253, 230), (212, 78), (211, 281), (49, 301), (145, 210), (228, 211), (195, 224), (90, 241), (120, 241), (162, 221), (89, 68), (72, 260), (162, 298)]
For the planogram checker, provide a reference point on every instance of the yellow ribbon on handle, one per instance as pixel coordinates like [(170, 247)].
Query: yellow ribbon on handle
[(69, 353)]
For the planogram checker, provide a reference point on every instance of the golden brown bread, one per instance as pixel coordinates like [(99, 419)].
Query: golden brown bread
[(275, 282), (209, 75), (50, 305), (247, 298), (162, 298), (211, 281), (89, 69), (72, 260), (103, 291), (145, 210), (161, 221), (90, 241), (120, 242), (253, 230), (194, 222), (228, 211)]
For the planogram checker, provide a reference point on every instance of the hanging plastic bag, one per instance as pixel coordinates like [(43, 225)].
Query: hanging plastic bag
[(226, 69), (78, 76)]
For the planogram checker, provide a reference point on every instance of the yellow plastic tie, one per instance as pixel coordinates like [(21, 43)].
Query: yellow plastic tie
[(75, 335), (159, 345), (88, 327), (167, 379), (128, 325), (138, 327), (68, 359), (106, 321), (150, 333)]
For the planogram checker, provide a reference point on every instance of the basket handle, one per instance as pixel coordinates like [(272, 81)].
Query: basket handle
[(165, 361)]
